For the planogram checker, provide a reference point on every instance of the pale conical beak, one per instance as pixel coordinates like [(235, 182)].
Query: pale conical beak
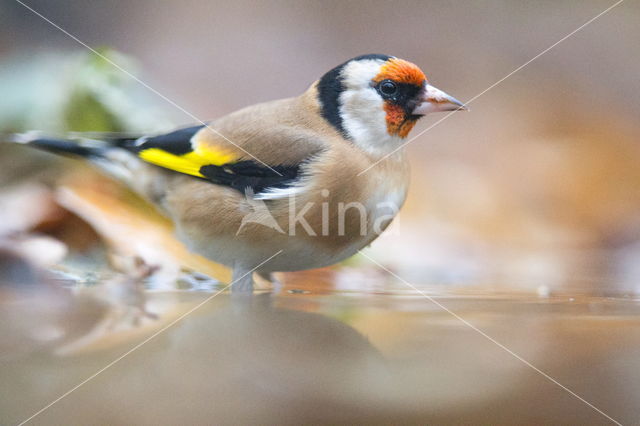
[(435, 100)]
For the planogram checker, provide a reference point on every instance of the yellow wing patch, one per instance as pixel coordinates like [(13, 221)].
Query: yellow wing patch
[(189, 163)]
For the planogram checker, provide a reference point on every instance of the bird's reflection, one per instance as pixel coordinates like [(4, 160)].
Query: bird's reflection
[(235, 359), (249, 360)]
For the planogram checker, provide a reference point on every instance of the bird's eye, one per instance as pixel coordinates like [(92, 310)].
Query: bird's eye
[(388, 88)]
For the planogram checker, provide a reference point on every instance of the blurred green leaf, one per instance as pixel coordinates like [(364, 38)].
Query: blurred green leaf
[(84, 113), (84, 91)]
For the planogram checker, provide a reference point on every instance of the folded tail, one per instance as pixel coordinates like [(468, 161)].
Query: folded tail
[(108, 152), (83, 147), (58, 146)]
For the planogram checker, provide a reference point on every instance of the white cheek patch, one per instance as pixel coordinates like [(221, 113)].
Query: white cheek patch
[(363, 116)]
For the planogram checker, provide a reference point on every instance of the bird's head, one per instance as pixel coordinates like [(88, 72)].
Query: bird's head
[(375, 100)]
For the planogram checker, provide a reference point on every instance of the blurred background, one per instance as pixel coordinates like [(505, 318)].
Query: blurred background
[(540, 181), (536, 191)]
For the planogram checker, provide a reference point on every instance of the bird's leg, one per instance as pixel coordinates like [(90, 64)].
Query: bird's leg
[(242, 279)]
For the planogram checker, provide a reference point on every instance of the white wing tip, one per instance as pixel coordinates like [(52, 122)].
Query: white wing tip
[(278, 193), (25, 137)]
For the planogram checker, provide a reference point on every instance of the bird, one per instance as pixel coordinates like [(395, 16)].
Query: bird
[(286, 185)]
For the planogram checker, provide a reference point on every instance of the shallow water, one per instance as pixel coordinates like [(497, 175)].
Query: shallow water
[(318, 355)]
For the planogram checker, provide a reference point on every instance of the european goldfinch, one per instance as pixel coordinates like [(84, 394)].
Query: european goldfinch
[(282, 180)]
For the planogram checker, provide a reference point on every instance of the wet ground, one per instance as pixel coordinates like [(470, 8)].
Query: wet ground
[(322, 353)]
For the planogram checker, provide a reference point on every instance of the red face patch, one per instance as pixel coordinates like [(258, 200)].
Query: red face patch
[(397, 123), (401, 71)]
